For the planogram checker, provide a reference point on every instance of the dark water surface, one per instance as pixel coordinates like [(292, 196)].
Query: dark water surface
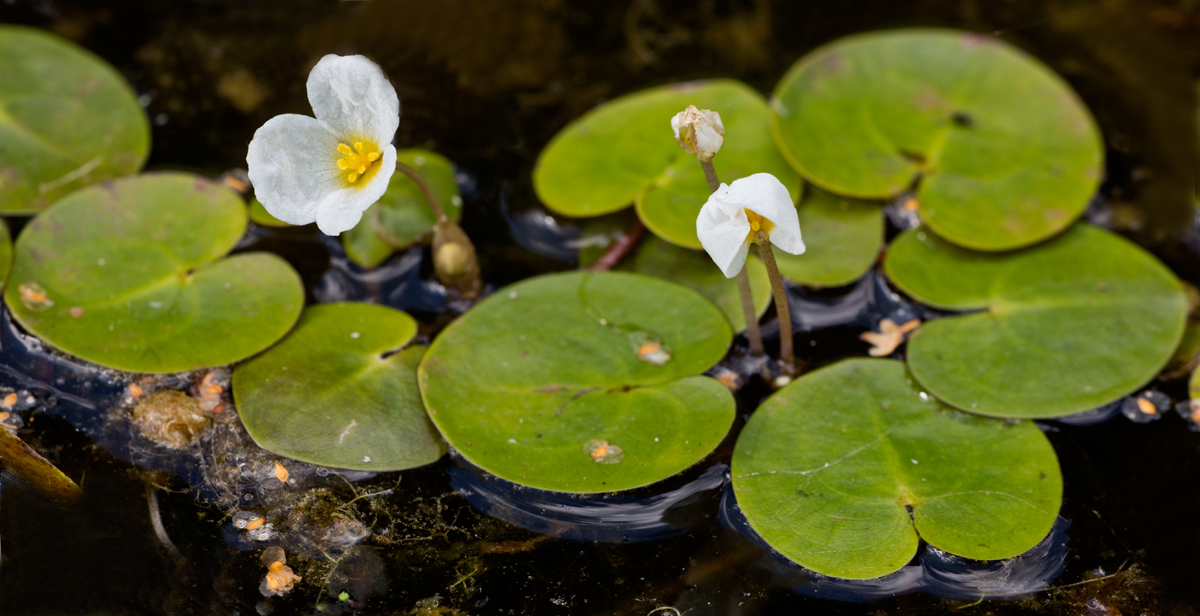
[(487, 83)]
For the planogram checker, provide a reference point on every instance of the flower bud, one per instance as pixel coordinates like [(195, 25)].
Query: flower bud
[(454, 259), (699, 132)]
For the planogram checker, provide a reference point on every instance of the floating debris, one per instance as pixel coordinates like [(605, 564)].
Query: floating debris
[(171, 418), (280, 578), (602, 452), (281, 472), (1146, 406), (889, 337), (34, 296), (650, 348)]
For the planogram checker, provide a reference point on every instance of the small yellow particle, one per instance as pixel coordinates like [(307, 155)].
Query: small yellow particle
[(10, 400), (352, 177), (280, 472), (648, 349), (256, 523), (135, 390), (1147, 406), (911, 204), (3, 417), (600, 452)]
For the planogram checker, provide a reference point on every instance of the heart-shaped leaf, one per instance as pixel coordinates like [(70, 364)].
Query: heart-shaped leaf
[(67, 119), (844, 470), (842, 236), (1005, 153), (1063, 327), (624, 152), (582, 382), (338, 391), (130, 275), (695, 270)]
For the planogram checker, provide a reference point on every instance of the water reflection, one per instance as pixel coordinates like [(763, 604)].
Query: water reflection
[(666, 509), (935, 572), (396, 283)]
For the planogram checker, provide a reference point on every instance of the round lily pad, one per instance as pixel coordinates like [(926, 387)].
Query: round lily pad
[(1066, 326), (845, 469), (341, 391), (624, 152), (130, 275), (582, 382), (402, 217), (843, 237), (694, 269), (67, 119), (1003, 151)]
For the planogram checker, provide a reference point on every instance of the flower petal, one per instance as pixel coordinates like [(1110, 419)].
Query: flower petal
[(292, 163), (765, 195), (723, 236), (353, 99), (341, 210)]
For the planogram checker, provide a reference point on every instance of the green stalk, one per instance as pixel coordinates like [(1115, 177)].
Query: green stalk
[(743, 277)]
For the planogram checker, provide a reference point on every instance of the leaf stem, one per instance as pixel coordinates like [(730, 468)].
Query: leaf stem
[(620, 248), (743, 278), (787, 355), (430, 196)]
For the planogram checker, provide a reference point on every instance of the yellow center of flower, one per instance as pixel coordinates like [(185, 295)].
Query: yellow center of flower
[(357, 160), (757, 223)]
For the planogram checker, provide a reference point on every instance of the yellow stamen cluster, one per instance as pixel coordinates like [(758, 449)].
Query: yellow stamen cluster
[(356, 160), (757, 223)]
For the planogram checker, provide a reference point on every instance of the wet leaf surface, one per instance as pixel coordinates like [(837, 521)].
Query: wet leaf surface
[(338, 391), (623, 152), (67, 119), (695, 269), (131, 275), (842, 237), (1063, 327), (846, 469), (402, 217), (22, 461), (1005, 153), (260, 216), (526, 383)]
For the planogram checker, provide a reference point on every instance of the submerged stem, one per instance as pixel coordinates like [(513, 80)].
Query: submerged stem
[(787, 355), (756, 343), (430, 196)]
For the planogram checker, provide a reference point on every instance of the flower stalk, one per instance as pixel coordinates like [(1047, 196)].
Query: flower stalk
[(454, 259), (753, 334), (787, 354)]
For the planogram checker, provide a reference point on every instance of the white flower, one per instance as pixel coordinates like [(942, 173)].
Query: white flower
[(331, 168), (734, 214), (699, 132)]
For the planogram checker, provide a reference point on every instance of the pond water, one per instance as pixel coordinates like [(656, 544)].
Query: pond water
[(487, 85)]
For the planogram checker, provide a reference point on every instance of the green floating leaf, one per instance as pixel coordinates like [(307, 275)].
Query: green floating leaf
[(1005, 153), (260, 216), (402, 217), (130, 275), (843, 236), (67, 119), (1066, 326), (695, 270), (845, 469), (6, 253), (582, 382), (338, 391), (623, 152), (21, 460)]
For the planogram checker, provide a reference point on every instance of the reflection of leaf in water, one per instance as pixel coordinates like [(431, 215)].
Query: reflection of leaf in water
[(21, 460)]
